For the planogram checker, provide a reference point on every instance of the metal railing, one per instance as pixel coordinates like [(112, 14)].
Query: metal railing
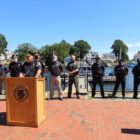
[(109, 86)]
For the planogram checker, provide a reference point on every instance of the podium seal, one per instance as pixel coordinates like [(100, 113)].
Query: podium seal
[(21, 93)]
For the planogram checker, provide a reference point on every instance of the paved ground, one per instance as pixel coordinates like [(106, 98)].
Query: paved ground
[(84, 119)]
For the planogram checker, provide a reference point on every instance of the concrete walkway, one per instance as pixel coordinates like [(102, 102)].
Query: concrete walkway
[(84, 119)]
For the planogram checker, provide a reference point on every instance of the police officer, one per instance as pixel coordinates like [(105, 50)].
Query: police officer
[(73, 70), (55, 69), (120, 72), (136, 73), (97, 75), (15, 67), (31, 68), (3, 71), (38, 59)]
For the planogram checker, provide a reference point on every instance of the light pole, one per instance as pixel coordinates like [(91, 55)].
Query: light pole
[(78, 52), (120, 53)]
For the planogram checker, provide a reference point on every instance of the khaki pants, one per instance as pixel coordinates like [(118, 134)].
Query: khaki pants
[(55, 80)]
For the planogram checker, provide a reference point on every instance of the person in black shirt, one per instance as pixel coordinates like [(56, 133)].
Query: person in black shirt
[(136, 73), (15, 67), (38, 59), (55, 69), (120, 71), (31, 68), (97, 75), (3, 71)]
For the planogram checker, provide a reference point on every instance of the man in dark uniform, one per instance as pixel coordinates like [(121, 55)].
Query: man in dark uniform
[(31, 68), (73, 76), (136, 73), (38, 59), (3, 71), (120, 72), (15, 67), (97, 75)]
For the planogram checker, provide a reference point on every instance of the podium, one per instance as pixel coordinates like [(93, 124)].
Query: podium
[(25, 101)]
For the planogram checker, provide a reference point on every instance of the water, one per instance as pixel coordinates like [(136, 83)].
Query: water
[(108, 87), (129, 78)]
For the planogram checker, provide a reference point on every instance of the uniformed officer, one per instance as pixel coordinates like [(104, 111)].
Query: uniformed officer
[(15, 67), (136, 73), (3, 71), (97, 75), (120, 72), (38, 59), (73, 70), (31, 68)]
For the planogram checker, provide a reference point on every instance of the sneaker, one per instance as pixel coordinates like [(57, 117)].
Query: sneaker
[(123, 97), (92, 96), (78, 97), (69, 97), (61, 99)]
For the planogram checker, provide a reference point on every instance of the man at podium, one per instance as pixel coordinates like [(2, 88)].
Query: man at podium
[(31, 68)]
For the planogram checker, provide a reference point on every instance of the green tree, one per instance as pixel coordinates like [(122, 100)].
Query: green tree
[(72, 50), (82, 48), (22, 50), (3, 45), (60, 49), (117, 45)]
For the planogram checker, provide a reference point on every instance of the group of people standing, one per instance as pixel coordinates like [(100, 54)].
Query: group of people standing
[(120, 72), (31, 68), (56, 69), (34, 67)]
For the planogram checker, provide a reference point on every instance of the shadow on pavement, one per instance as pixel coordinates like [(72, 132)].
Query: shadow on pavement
[(131, 131), (3, 118)]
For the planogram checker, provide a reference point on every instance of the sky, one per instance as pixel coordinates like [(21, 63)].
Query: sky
[(99, 22)]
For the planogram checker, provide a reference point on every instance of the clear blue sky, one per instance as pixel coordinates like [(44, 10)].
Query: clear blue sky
[(100, 22)]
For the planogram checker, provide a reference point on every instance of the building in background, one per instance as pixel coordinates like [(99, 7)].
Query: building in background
[(90, 57), (7, 56), (108, 57), (136, 56)]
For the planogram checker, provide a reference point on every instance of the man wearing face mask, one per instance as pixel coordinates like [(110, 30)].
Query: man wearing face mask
[(121, 72), (73, 76), (136, 73), (38, 59), (31, 68), (55, 69), (3, 71), (15, 67), (97, 76)]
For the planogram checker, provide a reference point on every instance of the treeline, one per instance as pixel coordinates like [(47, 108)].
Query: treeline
[(61, 49)]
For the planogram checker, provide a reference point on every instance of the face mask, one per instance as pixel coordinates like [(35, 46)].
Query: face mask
[(72, 60), (15, 59), (54, 60)]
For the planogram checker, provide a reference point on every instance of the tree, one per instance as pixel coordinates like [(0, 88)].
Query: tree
[(117, 45), (22, 50), (82, 48), (60, 49), (72, 50), (3, 45)]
